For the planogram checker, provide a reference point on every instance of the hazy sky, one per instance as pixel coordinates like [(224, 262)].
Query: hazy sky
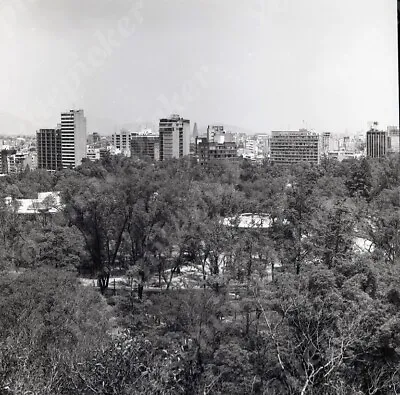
[(257, 64)]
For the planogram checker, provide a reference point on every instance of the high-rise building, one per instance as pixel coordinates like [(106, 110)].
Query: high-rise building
[(73, 138), (377, 143), (289, 147), (48, 147), (121, 141), (174, 133)]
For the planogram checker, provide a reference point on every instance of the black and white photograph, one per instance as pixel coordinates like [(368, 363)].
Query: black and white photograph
[(199, 197)]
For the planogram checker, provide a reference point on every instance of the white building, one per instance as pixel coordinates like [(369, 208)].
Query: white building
[(121, 141), (48, 202), (73, 138), (251, 148), (93, 154), (249, 221), (174, 134), (394, 139)]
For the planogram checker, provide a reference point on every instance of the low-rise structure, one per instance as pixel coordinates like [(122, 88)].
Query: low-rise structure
[(46, 202), (92, 153)]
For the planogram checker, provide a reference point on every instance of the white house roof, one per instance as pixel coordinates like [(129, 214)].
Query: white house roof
[(49, 202), (248, 221)]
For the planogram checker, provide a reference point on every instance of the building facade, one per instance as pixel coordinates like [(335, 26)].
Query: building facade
[(121, 142), (263, 141), (145, 146), (7, 161), (174, 135), (92, 153), (377, 143), (289, 147), (73, 138), (394, 139), (326, 143), (48, 147), (207, 151), (213, 131)]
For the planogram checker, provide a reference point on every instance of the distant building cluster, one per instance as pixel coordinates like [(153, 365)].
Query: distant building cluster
[(17, 154), (172, 140), (68, 144)]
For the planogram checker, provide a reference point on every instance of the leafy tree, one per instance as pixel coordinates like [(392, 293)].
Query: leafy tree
[(382, 224), (359, 181), (301, 203), (333, 232), (48, 321), (99, 211)]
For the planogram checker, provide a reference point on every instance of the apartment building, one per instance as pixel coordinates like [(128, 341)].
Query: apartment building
[(48, 147), (174, 137), (73, 138), (121, 142)]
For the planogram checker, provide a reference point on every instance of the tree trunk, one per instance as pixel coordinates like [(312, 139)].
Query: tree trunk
[(103, 280), (141, 284), (140, 291)]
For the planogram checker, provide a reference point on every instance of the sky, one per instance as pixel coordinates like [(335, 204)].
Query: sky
[(260, 65)]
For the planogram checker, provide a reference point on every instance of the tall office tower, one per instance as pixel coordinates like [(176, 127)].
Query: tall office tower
[(48, 147), (121, 141), (289, 147), (174, 133), (394, 139), (73, 138), (377, 143)]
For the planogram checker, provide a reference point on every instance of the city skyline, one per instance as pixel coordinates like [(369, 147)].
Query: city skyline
[(261, 65)]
